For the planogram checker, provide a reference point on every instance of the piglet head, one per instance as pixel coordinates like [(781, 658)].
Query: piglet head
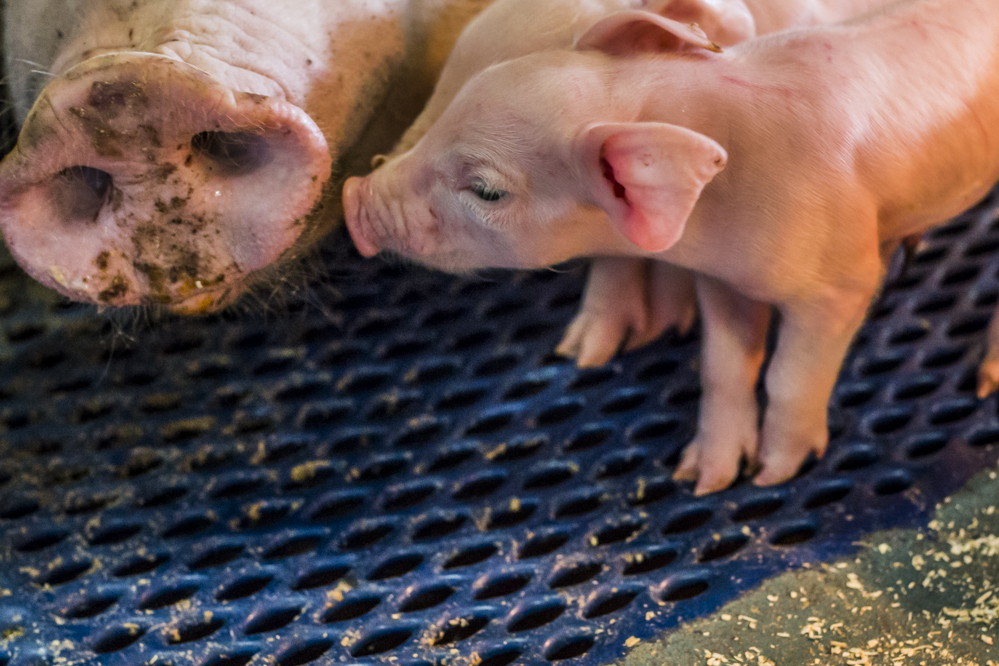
[(456, 209), (487, 185), (516, 174)]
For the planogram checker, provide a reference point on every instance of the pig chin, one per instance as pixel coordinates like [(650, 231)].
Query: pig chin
[(445, 256), (456, 261), (466, 260), (138, 179)]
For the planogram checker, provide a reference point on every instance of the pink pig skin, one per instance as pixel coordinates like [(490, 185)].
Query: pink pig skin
[(783, 171), (627, 303)]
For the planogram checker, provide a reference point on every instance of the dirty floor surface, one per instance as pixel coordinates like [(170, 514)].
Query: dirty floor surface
[(919, 598)]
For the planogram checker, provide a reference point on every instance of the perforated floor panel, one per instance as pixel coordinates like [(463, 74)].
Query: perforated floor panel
[(402, 472)]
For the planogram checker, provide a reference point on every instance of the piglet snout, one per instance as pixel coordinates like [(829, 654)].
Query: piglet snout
[(139, 179), (355, 212)]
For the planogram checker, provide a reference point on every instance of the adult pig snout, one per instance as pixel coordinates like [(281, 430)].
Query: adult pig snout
[(139, 179)]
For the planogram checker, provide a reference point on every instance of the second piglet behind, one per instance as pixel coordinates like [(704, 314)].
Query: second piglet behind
[(783, 171)]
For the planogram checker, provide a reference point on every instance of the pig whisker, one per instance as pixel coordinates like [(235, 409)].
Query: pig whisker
[(57, 115), (123, 323), (321, 289), (276, 289), (116, 333), (563, 268), (29, 62), (41, 68), (319, 306), (482, 276)]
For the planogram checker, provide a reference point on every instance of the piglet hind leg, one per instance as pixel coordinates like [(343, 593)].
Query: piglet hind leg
[(732, 351), (627, 304), (672, 302), (813, 340)]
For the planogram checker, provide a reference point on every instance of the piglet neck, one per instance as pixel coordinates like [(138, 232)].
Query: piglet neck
[(682, 91), (675, 90)]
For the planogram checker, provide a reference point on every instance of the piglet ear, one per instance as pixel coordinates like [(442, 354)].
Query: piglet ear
[(636, 31), (725, 22), (648, 177)]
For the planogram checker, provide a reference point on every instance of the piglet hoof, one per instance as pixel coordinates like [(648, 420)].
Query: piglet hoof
[(663, 315), (614, 312), (714, 464), (782, 464), (988, 379), (988, 371), (593, 338), (680, 320), (628, 304)]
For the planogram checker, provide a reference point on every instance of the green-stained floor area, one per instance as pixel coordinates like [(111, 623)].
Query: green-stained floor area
[(920, 598)]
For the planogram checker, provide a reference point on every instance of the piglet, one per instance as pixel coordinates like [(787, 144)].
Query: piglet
[(783, 171), (627, 302)]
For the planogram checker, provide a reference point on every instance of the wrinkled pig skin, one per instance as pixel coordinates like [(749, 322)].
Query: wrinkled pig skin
[(627, 302), (783, 171), (176, 152)]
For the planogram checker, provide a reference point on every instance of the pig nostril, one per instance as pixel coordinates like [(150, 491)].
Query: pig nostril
[(235, 153), (98, 181), (81, 192)]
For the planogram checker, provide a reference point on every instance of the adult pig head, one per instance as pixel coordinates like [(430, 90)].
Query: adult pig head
[(174, 151)]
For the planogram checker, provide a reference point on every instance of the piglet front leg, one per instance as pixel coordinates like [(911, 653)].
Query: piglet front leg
[(812, 342), (732, 350), (627, 304)]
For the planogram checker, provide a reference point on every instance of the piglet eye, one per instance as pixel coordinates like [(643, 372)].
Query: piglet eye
[(487, 193)]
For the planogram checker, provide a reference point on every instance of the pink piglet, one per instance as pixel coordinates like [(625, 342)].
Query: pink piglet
[(783, 171)]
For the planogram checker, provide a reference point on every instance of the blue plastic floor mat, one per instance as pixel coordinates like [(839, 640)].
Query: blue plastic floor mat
[(398, 470)]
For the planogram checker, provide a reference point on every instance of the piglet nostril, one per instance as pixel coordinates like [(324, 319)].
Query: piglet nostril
[(235, 153), (79, 193)]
